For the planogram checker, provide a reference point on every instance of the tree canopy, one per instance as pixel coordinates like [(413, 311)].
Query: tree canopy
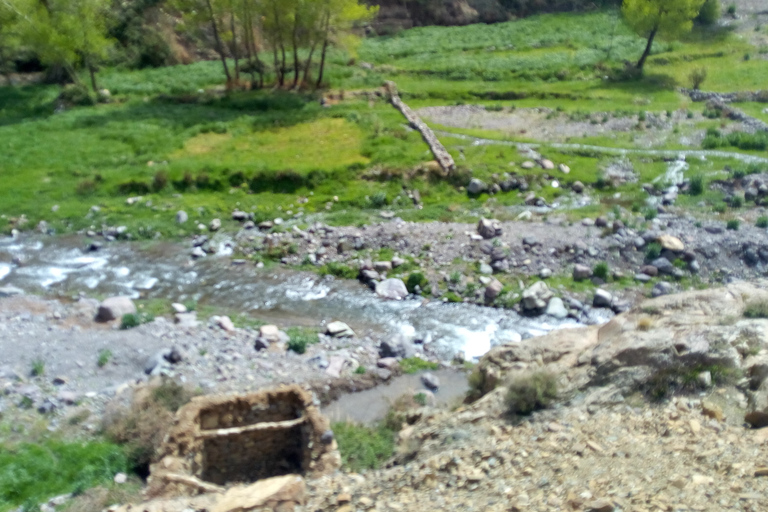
[(666, 19)]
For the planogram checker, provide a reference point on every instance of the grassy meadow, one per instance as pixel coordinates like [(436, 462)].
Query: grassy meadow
[(174, 138)]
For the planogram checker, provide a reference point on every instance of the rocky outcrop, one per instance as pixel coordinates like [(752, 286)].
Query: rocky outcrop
[(663, 340)]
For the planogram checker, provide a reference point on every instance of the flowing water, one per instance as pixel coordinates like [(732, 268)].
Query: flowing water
[(59, 266)]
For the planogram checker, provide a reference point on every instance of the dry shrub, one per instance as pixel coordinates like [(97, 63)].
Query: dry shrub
[(531, 391), (645, 323), (98, 499), (142, 425)]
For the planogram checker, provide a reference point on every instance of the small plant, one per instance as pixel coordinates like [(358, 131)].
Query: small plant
[(762, 222), (653, 251), (416, 279), (301, 338), (650, 213), (641, 116), (756, 309), (737, 202), (719, 208), (160, 181), (132, 320), (38, 368), (645, 323), (530, 392), (364, 447), (360, 370), (697, 77), (105, 355), (697, 185), (455, 277), (417, 364), (420, 398), (731, 10), (601, 270), (733, 225), (336, 269), (379, 200)]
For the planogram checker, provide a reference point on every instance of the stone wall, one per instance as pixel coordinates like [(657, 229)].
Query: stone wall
[(218, 441)]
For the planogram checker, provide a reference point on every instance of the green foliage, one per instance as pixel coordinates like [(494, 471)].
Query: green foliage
[(364, 447), (301, 338), (732, 225), (416, 364), (757, 141), (737, 202), (38, 368), (360, 370), (653, 251), (529, 392), (697, 77), (601, 271), (171, 395), (77, 95), (756, 309), (709, 13), (669, 381), (762, 222), (650, 213), (379, 200), (697, 185), (337, 269), (33, 473), (420, 398), (105, 355), (416, 279), (132, 320)]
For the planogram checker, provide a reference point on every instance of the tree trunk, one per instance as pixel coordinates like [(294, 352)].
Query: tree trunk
[(322, 64), (295, 42), (308, 64), (235, 53), (92, 72), (219, 46), (648, 47)]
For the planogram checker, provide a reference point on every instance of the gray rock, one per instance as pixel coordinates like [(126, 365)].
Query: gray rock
[(642, 278), (489, 228), (181, 217), (649, 270), (476, 186), (396, 348), (239, 216), (545, 273), (493, 290), (198, 252), (186, 320), (392, 289), (339, 330), (536, 297), (430, 381), (556, 308), (327, 437), (486, 269), (705, 379), (10, 291), (581, 272), (662, 288), (664, 266), (602, 299), (577, 187), (215, 225), (114, 308)]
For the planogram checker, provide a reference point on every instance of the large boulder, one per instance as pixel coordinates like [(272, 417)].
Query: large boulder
[(670, 243), (114, 308), (489, 228), (392, 289), (476, 186), (581, 272), (339, 330), (536, 298)]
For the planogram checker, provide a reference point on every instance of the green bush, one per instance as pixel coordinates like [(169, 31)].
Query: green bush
[(653, 251), (733, 225), (33, 473), (379, 200), (104, 357), (697, 185), (77, 95), (756, 309), (301, 338), (650, 213), (762, 222), (416, 279), (529, 392), (364, 447), (132, 320), (416, 364), (38, 368), (601, 270), (709, 13), (340, 270), (420, 398), (737, 202), (697, 77)]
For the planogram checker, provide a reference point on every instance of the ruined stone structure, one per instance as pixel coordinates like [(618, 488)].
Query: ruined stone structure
[(219, 441)]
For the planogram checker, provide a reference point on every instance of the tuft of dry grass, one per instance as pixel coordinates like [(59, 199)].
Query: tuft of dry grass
[(645, 324)]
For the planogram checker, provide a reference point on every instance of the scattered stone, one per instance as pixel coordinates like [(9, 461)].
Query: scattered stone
[(114, 308), (577, 187), (527, 165), (181, 217), (339, 330), (661, 288), (476, 186), (489, 228), (178, 308), (121, 478), (670, 243), (215, 225), (564, 169), (392, 289), (536, 297), (602, 299), (12, 291), (493, 290), (556, 308), (547, 165), (225, 323), (581, 272), (239, 216), (430, 381)]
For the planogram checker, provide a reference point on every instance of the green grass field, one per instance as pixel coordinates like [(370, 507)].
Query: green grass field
[(172, 137)]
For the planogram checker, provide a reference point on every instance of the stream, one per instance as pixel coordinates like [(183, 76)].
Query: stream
[(59, 266)]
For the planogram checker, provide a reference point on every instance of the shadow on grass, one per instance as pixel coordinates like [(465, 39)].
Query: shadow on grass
[(19, 104)]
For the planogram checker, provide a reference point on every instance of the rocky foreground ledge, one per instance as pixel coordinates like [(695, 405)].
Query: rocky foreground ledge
[(660, 409)]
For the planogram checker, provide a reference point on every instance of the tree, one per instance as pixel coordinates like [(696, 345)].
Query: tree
[(668, 19), (208, 13), (8, 22), (66, 33)]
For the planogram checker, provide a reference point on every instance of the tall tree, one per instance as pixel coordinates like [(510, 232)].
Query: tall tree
[(667, 19), (207, 13), (8, 24)]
